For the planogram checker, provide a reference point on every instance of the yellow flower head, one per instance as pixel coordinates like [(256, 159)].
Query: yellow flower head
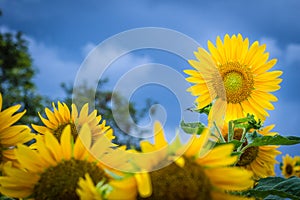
[(260, 160), (11, 135), (291, 166), (87, 189), (124, 189), (60, 117), (236, 73), (196, 173), (54, 169)]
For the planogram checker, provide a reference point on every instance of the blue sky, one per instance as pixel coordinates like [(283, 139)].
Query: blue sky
[(61, 33)]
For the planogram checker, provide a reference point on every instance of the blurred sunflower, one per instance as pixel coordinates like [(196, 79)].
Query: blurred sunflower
[(290, 166), (236, 73), (87, 189), (53, 171), (260, 160), (191, 176), (60, 117), (11, 135), (124, 189)]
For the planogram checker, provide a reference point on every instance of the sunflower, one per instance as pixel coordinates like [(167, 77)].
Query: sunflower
[(290, 166), (260, 160), (11, 135), (196, 173), (60, 117), (53, 171), (124, 189), (237, 74), (87, 189)]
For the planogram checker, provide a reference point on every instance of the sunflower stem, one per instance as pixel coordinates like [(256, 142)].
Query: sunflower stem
[(242, 140), (244, 148), (219, 132), (230, 131)]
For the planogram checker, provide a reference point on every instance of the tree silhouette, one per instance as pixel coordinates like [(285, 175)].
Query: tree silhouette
[(16, 74)]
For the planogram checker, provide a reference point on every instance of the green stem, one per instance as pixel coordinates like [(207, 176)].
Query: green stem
[(230, 131), (242, 139), (219, 132), (244, 148)]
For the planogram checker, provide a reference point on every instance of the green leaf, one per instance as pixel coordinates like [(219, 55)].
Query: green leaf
[(5, 198), (192, 127), (113, 175), (256, 139), (103, 189), (205, 109), (276, 186), (248, 123)]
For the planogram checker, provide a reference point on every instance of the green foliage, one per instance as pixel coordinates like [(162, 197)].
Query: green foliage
[(192, 127), (104, 189), (205, 109), (16, 74), (276, 188), (256, 139), (5, 198), (247, 123)]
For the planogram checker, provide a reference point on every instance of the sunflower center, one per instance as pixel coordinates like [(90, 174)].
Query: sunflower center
[(57, 132), (289, 169), (233, 82), (60, 181), (174, 182), (237, 80), (248, 156)]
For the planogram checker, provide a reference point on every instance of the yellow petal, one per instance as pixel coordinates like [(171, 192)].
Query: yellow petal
[(235, 179), (51, 117), (216, 55), (125, 189), (74, 112), (265, 67), (218, 156), (195, 144), (48, 123), (66, 142), (83, 142), (180, 162), (57, 114), (144, 184), (147, 147), (53, 146), (29, 159), (40, 129), (16, 192), (159, 137)]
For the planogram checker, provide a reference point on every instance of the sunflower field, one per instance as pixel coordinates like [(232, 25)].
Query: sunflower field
[(71, 153)]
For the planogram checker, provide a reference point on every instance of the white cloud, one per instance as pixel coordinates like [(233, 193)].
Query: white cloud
[(288, 55), (272, 47), (52, 69), (107, 61), (292, 53)]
